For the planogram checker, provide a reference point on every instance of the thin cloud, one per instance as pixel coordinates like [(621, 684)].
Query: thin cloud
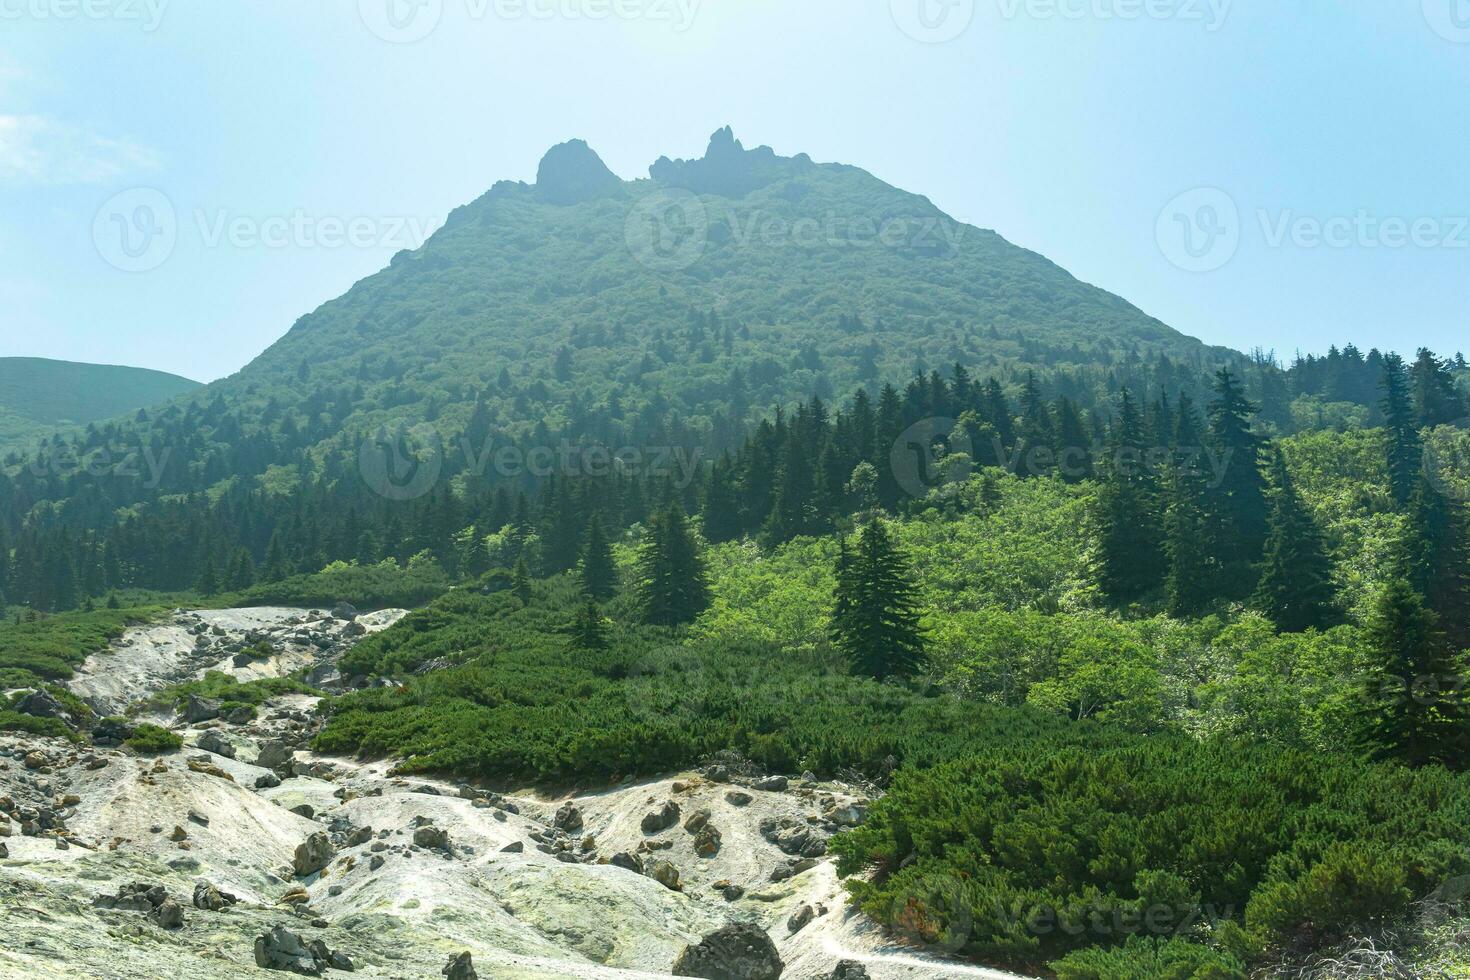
[(40, 150)]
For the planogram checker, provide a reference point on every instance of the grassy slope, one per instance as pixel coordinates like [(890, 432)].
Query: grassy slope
[(37, 394)]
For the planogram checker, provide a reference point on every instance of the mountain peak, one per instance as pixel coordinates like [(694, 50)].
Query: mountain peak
[(571, 172), (728, 168)]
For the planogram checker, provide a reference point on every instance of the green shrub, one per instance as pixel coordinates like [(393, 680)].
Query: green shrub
[(380, 586), (1151, 958), (229, 692), (1042, 849), (48, 648), (152, 740)]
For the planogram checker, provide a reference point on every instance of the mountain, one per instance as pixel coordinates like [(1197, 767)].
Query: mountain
[(666, 315), (582, 284), (38, 394)]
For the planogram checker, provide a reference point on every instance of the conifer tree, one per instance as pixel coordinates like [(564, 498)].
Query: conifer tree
[(673, 588), (1438, 552), (588, 630), (1412, 707), (1237, 506), (1190, 582), (599, 573), (1295, 591), (875, 621), (721, 511), (1436, 400), (1405, 452), (520, 581), (1130, 546)]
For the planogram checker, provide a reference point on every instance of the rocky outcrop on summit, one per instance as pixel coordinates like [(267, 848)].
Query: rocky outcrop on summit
[(572, 172), (728, 168)]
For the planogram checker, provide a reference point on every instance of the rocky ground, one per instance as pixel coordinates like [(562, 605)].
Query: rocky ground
[(244, 851)]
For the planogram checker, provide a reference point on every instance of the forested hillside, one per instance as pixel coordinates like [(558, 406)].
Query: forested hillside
[(1154, 653)]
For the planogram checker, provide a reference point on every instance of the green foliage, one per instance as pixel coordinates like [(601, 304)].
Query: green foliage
[(50, 646), (875, 617), (228, 691), (671, 582), (1150, 958), (152, 740), (1022, 853), (1295, 589), (377, 586)]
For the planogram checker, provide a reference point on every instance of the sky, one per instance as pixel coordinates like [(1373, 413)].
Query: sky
[(180, 180)]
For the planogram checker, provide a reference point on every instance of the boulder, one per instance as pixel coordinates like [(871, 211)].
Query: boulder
[(460, 967), (198, 709), (772, 784), (274, 754), (168, 914), (657, 821), (627, 861), (344, 610), (313, 854), (707, 841), (281, 949), (849, 970), (211, 899), (42, 704), (431, 837), (514, 847), (739, 951), (738, 797), (568, 818), (664, 872)]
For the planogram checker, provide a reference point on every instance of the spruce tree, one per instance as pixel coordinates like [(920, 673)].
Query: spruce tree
[(721, 511), (588, 630), (1438, 552), (875, 620), (520, 581), (1295, 591), (599, 573), (1190, 582), (1130, 547), (1405, 452), (1412, 708), (1238, 502), (673, 588)]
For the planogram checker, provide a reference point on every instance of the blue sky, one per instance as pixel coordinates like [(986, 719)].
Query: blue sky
[(1251, 174)]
